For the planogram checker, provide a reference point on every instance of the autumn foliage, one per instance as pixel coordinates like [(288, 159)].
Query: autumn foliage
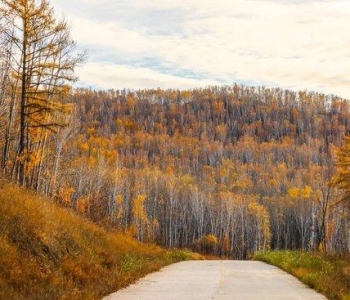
[(248, 165)]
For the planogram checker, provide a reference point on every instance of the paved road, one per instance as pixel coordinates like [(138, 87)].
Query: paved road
[(217, 280)]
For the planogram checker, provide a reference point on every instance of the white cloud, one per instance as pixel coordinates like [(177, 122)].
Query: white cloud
[(291, 44), (118, 77)]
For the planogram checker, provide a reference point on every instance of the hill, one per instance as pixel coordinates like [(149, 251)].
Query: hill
[(247, 166), (250, 165), (47, 252)]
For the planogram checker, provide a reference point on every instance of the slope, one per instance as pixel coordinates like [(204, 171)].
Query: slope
[(47, 252), (248, 165)]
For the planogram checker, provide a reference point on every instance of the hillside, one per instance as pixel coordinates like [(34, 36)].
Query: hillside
[(47, 252), (250, 165), (247, 166)]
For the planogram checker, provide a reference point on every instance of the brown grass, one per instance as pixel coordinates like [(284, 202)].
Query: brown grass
[(47, 252)]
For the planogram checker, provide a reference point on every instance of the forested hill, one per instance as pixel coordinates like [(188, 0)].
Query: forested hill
[(259, 136), (224, 114), (193, 131), (228, 170), (247, 165)]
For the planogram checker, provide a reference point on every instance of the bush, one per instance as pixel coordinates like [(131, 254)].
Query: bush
[(206, 244)]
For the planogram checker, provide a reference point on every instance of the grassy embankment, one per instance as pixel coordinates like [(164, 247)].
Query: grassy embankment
[(47, 252), (328, 274)]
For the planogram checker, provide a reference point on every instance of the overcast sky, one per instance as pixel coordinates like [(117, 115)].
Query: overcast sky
[(294, 44)]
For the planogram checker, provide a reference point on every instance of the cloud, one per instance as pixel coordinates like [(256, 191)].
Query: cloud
[(108, 76), (289, 44)]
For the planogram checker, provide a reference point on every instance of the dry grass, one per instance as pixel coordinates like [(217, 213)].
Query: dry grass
[(47, 252), (327, 273)]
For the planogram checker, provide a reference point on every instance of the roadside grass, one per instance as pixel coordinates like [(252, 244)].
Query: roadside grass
[(327, 273), (48, 252)]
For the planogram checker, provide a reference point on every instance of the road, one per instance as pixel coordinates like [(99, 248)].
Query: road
[(217, 280)]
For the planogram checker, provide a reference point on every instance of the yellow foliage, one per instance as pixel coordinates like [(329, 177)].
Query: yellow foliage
[(82, 204), (273, 182), (169, 170), (243, 183), (186, 94), (263, 219), (306, 192), (224, 173), (209, 240), (91, 131), (118, 199), (187, 179), (226, 196), (34, 158), (293, 192), (84, 147), (119, 122), (138, 208), (207, 243), (65, 194), (91, 161), (15, 75)]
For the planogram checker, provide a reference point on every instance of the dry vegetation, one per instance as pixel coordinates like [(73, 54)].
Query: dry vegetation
[(47, 252), (329, 274)]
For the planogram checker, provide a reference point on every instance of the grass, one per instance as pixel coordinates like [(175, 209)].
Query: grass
[(47, 252), (328, 274)]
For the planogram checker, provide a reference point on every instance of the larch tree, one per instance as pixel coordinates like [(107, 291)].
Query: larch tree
[(341, 180), (42, 58)]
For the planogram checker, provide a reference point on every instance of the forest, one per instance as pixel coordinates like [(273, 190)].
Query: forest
[(227, 170)]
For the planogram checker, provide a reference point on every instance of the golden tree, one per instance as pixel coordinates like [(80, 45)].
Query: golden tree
[(342, 178), (42, 60)]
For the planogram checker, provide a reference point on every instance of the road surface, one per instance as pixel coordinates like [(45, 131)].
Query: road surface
[(217, 280)]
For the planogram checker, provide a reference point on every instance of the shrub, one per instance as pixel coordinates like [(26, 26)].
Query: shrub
[(206, 244)]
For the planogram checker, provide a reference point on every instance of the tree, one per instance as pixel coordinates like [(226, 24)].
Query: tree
[(342, 178), (140, 218), (207, 243), (42, 61)]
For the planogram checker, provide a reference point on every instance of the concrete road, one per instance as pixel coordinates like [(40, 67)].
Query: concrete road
[(218, 280)]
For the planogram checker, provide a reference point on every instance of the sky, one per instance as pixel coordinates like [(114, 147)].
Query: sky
[(183, 44)]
